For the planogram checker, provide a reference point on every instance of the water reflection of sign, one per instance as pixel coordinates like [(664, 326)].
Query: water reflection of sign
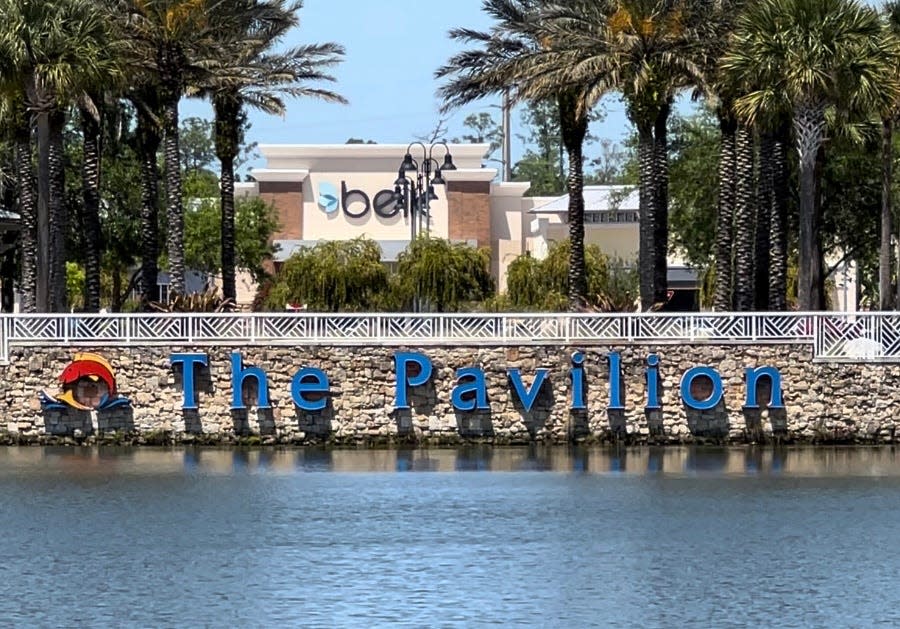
[(87, 383)]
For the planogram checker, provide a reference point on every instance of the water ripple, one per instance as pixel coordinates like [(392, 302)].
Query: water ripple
[(171, 538)]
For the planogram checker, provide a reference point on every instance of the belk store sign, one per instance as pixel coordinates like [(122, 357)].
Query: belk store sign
[(355, 203), (310, 386)]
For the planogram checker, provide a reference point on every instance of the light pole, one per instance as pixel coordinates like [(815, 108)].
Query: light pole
[(414, 189), (414, 186)]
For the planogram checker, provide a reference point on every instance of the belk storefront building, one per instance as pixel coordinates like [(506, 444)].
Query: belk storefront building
[(339, 192)]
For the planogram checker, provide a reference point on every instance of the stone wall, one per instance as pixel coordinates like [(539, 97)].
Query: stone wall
[(824, 402)]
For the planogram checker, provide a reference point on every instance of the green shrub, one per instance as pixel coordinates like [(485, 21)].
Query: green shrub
[(332, 276)]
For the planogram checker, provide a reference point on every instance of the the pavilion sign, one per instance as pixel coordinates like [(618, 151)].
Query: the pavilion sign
[(310, 386)]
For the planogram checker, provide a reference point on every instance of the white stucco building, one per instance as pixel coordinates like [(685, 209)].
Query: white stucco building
[(331, 192)]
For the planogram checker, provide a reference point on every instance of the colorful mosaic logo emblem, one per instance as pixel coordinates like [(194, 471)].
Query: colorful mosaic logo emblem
[(87, 383)]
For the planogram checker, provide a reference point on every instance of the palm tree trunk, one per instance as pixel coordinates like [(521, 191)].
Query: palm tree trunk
[(778, 257), (573, 128), (646, 203), (90, 176), (229, 283), (661, 206), (885, 296), (174, 208), (59, 218), (819, 293), (148, 144), (744, 220), (722, 300), (764, 207), (42, 259), (8, 275), (116, 302), (28, 213), (809, 126), (227, 140), (8, 240)]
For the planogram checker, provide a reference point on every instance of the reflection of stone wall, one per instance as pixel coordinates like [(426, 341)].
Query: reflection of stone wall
[(824, 402), (784, 462)]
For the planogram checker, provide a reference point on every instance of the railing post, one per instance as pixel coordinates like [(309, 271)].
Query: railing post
[(878, 331), (817, 337), (4, 339)]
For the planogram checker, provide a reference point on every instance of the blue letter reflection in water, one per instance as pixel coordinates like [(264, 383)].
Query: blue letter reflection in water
[(401, 360), (187, 362)]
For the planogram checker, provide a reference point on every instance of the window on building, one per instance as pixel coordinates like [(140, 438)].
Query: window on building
[(607, 216)]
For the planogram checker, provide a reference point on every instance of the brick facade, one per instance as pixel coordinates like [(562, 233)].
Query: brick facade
[(469, 206), (287, 197)]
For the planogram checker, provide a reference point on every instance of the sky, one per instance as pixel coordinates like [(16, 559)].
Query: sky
[(392, 52)]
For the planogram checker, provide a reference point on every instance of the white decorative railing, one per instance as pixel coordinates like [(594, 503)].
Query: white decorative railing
[(833, 336)]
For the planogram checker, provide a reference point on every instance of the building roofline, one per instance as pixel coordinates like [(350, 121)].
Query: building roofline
[(318, 151)]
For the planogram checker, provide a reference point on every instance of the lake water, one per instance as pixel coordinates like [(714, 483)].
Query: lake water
[(551, 537)]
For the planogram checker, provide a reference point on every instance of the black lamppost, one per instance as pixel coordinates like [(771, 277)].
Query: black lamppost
[(414, 186)]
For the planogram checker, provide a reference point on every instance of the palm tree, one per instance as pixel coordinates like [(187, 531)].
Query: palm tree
[(713, 33), (16, 70), (744, 219), (648, 50), (892, 15), (172, 42), (148, 136), (522, 56), (765, 200), (807, 56), (722, 292), (778, 215), (97, 88), (15, 121), (55, 48), (248, 74), (884, 250), (91, 122)]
